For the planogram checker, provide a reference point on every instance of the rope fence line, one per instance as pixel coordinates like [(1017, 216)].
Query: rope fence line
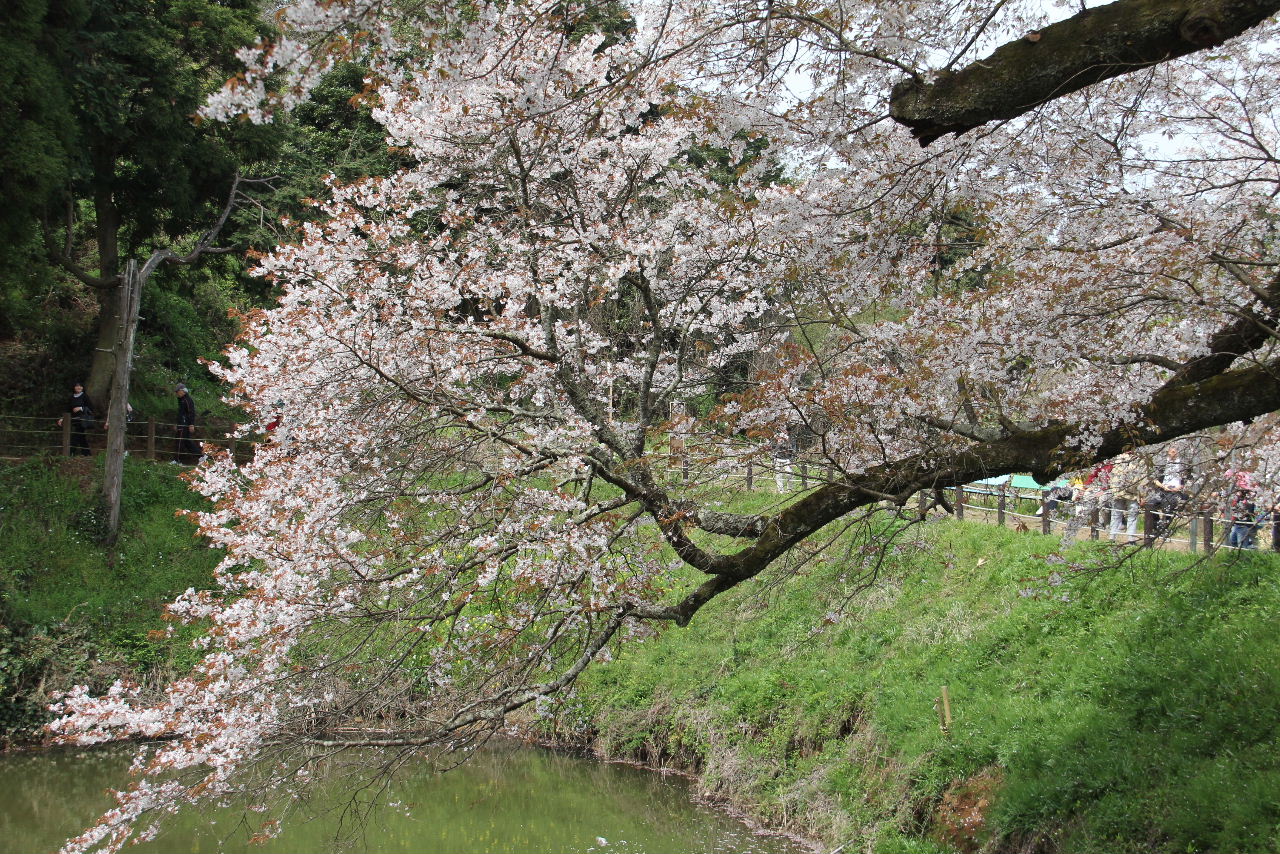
[(22, 436)]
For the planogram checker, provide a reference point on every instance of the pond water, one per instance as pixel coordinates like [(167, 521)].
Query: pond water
[(508, 799)]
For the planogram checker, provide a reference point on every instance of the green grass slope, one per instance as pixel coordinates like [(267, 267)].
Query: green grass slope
[(1099, 703), (70, 608)]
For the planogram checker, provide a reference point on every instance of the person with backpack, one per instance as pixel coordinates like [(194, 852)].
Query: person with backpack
[(1245, 520)]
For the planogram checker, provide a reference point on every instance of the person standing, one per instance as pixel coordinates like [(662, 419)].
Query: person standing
[(1061, 492), (1092, 496), (188, 447), (1244, 519), (1170, 490), (1126, 482), (783, 450), (80, 411)]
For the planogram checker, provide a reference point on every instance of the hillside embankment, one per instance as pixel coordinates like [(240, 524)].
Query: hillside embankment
[(73, 611), (1102, 700), (1105, 700)]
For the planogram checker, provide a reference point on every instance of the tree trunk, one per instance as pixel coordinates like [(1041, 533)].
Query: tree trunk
[(128, 299), (107, 231)]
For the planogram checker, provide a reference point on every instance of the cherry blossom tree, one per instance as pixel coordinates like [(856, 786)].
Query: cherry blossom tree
[(481, 360)]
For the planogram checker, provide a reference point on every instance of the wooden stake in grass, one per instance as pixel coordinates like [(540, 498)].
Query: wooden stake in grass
[(943, 706)]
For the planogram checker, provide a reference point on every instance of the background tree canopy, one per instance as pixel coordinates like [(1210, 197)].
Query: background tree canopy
[(102, 157)]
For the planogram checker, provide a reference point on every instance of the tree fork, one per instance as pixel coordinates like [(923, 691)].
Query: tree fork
[(1092, 46)]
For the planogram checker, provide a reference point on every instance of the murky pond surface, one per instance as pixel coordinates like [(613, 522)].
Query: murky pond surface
[(507, 800)]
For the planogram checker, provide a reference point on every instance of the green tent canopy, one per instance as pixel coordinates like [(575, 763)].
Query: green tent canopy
[(1019, 482)]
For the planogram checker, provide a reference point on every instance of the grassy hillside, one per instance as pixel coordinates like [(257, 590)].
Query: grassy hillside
[(1099, 704), (72, 610)]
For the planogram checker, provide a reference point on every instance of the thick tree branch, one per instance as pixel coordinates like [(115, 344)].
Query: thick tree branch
[(728, 524), (1177, 409), (1095, 45), (1250, 331), (1148, 359), (61, 256), (204, 246), (976, 432)]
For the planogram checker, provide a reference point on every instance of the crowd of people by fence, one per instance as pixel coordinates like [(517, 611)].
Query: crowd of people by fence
[(1168, 486), (1179, 486)]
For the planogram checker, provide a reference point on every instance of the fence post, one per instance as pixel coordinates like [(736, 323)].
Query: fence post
[(231, 447), (1000, 499), (151, 438), (1046, 524), (1193, 528), (750, 476), (960, 501), (1148, 527), (1275, 533), (66, 435), (1208, 532), (1093, 522), (804, 476), (922, 501)]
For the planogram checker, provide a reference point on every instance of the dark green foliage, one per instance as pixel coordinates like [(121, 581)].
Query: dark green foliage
[(104, 160), (140, 71), (960, 235), (113, 87), (610, 19), (37, 122), (46, 332), (723, 168), (336, 133), (100, 99), (167, 175), (331, 133), (190, 315)]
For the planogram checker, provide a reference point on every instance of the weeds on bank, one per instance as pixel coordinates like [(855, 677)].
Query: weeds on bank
[(1098, 703), (71, 608)]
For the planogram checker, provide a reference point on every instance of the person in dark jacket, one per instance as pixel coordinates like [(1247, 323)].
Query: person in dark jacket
[(81, 415), (188, 447)]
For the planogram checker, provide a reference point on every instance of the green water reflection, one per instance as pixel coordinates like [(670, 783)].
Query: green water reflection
[(507, 800)]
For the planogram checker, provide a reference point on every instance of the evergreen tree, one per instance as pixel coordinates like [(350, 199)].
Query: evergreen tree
[(107, 159)]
